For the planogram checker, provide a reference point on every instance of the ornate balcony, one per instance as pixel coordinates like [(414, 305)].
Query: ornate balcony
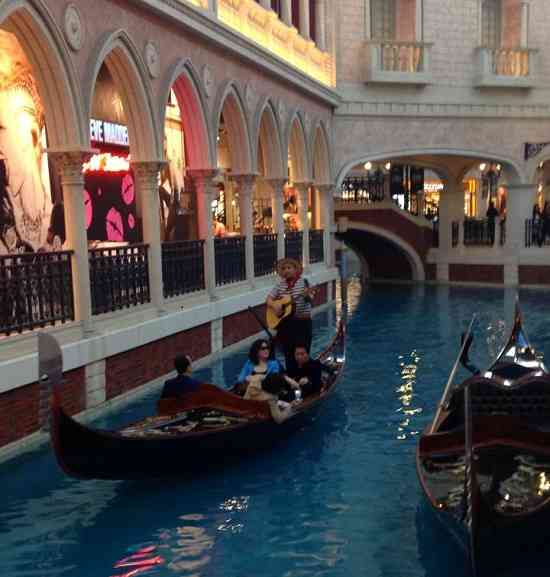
[(393, 61), (505, 67), (264, 27)]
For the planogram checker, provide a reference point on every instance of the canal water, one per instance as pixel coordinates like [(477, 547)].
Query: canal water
[(338, 499)]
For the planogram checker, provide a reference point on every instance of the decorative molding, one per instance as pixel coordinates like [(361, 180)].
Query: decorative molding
[(532, 149), (208, 80), (250, 98), (73, 27), (152, 59), (364, 108), (281, 109)]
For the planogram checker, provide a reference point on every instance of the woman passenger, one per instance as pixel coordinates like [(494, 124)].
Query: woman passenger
[(258, 366), (272, 387)]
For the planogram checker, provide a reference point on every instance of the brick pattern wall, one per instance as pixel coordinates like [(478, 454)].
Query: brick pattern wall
[(19, 409), (534, 274), (134, 368), (241, 325), (485, 273)]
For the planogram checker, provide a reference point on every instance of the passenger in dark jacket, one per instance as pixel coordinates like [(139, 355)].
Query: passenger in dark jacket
[(307, 372), (182, 383)]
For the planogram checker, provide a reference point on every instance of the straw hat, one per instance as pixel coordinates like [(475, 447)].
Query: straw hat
[(291, 261)]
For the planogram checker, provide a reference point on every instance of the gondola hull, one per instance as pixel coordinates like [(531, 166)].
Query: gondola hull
[(85, 452)]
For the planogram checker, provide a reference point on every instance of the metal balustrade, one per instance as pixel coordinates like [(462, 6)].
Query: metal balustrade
[(265, 254), (363, 189), (536, 233), (454, 233), (293, 245), (435, 234), (230, 259), (119, 277), (482, 232), (316, 246), (36, 290), (182, 267)]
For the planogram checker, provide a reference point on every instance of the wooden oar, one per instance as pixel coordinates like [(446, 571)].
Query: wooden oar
[(448, 386), (50, 374)]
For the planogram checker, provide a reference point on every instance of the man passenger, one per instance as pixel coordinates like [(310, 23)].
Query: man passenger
[(307, 372), (182, 383)]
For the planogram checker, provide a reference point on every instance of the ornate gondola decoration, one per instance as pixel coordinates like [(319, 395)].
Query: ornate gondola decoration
[(201, 431), (484, 462)]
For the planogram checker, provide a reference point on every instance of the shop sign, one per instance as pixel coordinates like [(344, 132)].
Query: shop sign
[(108, 132)]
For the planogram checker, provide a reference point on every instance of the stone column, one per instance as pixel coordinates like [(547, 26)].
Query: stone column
[(265, 4), (304, 19), (286, 12), (206, 190), (524, 38), (320, 24), (246, 184), (147, 189), (519, 207), (302, 188), (69, 165), (213, 6), (419, 21), (326, 197), (278, 210)]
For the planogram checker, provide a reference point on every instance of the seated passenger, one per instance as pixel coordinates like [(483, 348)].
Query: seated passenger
[(182, 383), (258, 366), (307, 372), (272, 386)]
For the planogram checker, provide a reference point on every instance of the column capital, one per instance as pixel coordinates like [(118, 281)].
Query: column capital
[(244, 179), (276, 182), (147, 169), (203, 173), (325, 188), (303, 186), (68, 162)]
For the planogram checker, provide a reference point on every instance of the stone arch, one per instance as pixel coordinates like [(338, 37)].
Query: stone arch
[(413, 258), (533, 163), (269, 135), (514, 173), (184, 80), (231, 105), (126, 66), (321, 168), (296, 147), (45, 48)]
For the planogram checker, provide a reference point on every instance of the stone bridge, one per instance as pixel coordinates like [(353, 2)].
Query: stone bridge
[(391, 243)]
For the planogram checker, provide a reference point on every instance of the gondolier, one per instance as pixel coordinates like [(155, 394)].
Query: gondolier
[(290, 301)]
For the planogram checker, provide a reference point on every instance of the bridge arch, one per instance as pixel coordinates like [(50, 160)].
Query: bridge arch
[(414, 260), (441, 160)]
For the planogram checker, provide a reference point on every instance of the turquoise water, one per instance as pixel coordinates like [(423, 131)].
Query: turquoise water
[(339, 499)]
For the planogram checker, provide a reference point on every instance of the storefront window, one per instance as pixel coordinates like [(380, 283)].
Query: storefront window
[(470, 198)]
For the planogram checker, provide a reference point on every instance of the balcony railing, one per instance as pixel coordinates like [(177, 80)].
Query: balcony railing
[(536, 234), (400, 62), (119, 278), (36, 289), (230, 259), (182, 267), (506, 67), (265, 254), (455, 226), (264, 27), (435, 234), (363, 189), (293, 245), (316, 246), (483, 232)]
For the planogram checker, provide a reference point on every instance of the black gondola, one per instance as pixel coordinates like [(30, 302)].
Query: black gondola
[(203, 430), (484, 463)]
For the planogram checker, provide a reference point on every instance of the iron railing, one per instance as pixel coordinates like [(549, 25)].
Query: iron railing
[(230, 259), (36, 289), (454, 233), (435, 233), (265, 254), (316, 246), (482, 232), (536, 234), (293, 245), (363, 189), (182, 267), (119, 277)]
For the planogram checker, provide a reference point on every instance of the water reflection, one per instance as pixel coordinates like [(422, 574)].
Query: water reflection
[(408, 365), (142, 561)]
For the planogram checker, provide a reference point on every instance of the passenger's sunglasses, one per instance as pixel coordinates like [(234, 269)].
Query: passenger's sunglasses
[(265, 348)]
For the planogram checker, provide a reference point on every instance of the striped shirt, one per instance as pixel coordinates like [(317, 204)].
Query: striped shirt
[(302, 306)]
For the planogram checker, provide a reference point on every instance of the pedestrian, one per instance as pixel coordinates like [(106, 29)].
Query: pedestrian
[(491, 214)]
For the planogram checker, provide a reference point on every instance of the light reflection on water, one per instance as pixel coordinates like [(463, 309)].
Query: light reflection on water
[(339, 498)]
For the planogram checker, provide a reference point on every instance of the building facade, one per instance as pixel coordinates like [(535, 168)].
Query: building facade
[(458, 92), (156, 158)]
